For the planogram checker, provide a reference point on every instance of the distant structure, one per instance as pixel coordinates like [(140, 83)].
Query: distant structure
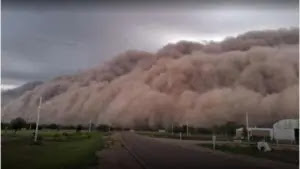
[(286, 130), (256, 132)]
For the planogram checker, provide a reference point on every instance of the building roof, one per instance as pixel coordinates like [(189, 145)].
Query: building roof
[(287, 124)]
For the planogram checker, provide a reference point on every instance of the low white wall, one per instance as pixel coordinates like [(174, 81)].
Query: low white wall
[(284, 134)]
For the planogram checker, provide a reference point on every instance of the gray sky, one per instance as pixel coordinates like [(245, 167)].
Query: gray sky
[(40, 42)]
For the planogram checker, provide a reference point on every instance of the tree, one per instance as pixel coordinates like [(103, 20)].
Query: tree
[(103, 127), (204, 131), (178, 129), (230, 127), (4, 125), (53, 126), (78, 128), (245, 132), (30, 125), (18, 123)]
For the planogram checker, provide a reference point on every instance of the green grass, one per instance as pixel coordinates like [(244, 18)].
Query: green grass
[(288, 156), (57, 151)]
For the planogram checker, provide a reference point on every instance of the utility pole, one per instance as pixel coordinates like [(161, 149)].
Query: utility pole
[(90, 126), (214, 142), (172, 129), (28, 120), (3, 118), (187, 129), (247, 125), (37, 120)]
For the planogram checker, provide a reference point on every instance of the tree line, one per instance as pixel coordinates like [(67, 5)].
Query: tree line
[(229, 128), (19, 123)]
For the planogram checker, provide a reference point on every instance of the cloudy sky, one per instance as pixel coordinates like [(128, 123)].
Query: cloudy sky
[(42, 40)]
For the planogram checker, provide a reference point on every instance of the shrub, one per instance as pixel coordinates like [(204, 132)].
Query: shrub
[(204, 131), (103, 127), (245, 132), (89, 135), (78, 128), (31, 126), (57, 137), (18, 123), (65, 134), (4, 125), (39, 139), (52, 126)]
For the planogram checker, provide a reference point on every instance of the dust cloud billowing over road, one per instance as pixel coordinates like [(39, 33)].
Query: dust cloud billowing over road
[(204, 84)]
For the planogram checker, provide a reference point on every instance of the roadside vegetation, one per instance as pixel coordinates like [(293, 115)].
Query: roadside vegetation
[(223, 132), (197, 136), (56, 147), (288, 156)]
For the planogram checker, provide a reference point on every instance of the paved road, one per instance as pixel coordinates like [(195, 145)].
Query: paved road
[(114, 156), (154, 154)]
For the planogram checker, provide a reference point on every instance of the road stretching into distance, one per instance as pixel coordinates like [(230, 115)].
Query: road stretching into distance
[(153, 154)]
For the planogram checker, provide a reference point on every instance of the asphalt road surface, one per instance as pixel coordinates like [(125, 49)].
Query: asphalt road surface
[(154, 154), (115, 156)]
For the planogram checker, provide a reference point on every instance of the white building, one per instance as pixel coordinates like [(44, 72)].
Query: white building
[(286, 129), (283, 130)]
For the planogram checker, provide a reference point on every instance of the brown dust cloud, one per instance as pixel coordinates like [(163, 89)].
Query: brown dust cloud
[(202, 84)]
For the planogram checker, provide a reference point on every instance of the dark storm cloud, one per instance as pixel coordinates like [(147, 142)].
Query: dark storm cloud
[(40, 44)]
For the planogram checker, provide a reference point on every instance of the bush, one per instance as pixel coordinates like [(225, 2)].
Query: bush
[(67, 127), (89, 135), (227, 128), (57, 137), (31, 126), (39, 139), (18, 123), (65, 134), (38, 142), (245, 132), (177, 129), (103, 127), (52, 126), (5, 126), (204, 131), (78, 128)]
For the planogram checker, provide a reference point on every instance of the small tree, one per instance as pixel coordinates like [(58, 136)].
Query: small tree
[(245, 132), (30, 125), (78, 128), (230, 128), (178, 129), (204, 130), (53, 126), (102, 127), (17, 123)]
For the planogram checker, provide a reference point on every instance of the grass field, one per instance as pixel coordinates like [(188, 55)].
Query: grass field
[(58, 150), (288, 156)]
